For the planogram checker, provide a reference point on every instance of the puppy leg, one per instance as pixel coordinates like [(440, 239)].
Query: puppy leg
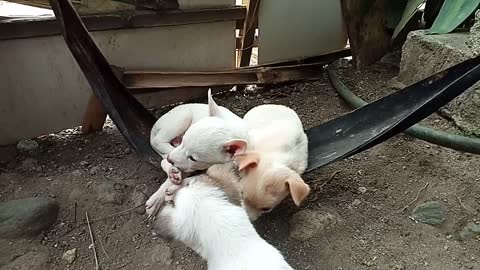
[(174, 174), (171, 190), (157, 200)]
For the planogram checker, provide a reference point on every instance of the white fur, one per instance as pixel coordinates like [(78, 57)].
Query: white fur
[(205, 130), (219, 231)]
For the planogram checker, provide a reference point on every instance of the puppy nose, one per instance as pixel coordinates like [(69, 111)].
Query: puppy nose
[(169, 160)]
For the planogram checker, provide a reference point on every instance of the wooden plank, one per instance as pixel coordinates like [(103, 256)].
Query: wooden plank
[(94, 116), (367, 31), (245, 52), (11, 29), (152, 4), (157, 80)]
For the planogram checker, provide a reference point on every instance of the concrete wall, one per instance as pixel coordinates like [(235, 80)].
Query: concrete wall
[(290, 30), (43, 90)]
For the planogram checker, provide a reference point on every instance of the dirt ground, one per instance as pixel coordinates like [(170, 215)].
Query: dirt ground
[(100, 175)]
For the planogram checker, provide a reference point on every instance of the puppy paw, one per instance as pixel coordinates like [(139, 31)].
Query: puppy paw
[(175, 175), (154, 204)]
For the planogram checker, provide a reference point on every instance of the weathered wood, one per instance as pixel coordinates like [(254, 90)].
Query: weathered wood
[(259, 75), (238, 44), (248, 37), (367, 31), (152, 4), (94, 116), (11, 29)]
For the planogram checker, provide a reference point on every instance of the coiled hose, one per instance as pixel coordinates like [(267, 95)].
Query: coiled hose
[(445, 139)]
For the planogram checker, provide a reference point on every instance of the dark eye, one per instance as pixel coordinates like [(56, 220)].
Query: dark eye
[(266, 209), (192, 159)]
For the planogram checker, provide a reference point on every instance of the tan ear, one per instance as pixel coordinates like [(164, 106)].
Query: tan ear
[(235, 147), (247, 160), (298, 188)]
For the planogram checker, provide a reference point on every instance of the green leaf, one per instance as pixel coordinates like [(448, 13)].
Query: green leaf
[(410, 10), (452, 14)]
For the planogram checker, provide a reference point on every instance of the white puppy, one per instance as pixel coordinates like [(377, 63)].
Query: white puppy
[(193, 137), (272, 171), (207, 216)]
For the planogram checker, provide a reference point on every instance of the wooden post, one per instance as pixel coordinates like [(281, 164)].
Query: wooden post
[(367, 31), (95, 115), (249, 28)]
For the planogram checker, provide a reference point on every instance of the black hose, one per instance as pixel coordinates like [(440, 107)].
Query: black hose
[(445, 139)]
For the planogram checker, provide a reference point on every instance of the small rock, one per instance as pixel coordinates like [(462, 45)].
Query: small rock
[(27, 145), (27, 217), (70, 255), (77, 173), (162, 254), (356, 202), (84, 163), (29, 164), (95, 170), (429, 213), (139, 198), (362, 190), (29, 261), (308, 223), (127, 151), (469, 231), (110, 193)]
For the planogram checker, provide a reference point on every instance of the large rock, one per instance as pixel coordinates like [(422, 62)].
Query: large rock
[(429, 213), (470, 231), (27, 217), (29, 261), (424, 55)]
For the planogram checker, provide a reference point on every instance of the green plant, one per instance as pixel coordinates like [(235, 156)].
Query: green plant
[(452, 14)]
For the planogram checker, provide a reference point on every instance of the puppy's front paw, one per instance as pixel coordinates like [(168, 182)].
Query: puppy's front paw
[(170, 193), (175, 175), (153, 204)]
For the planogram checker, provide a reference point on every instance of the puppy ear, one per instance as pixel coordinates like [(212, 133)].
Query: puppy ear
[(235, 147), (213, 108), (298, 188), (247, 161)]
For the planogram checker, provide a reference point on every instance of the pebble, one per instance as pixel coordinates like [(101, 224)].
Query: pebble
[(356, 202), (362, 190), (70, 255), (161, 254)]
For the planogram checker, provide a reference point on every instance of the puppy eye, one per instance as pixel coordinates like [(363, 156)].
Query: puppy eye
[(192, 159), (266, 209)]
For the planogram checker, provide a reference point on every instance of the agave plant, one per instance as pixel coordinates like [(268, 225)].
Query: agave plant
[(451, 14)]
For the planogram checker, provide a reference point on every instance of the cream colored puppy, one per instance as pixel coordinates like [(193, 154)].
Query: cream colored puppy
[(272, 171)]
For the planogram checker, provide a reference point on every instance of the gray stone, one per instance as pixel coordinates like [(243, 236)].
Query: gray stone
[(28, 145), (474, 37), (111, 193), (29, 261), (161, 254), (308, 223), (469, 231), (429, 213), (27, 217), (424, 55), (70, 255)]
